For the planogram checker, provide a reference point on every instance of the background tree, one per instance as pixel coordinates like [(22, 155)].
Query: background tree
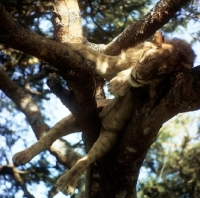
[(172, 162), (23, 85)]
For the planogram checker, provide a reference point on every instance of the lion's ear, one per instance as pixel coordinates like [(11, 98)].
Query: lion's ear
[(158, 39)]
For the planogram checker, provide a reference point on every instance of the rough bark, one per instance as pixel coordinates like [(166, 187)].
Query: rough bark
[(158, 16), (67, 22), (119, 170), (68, 28), (64, 59)]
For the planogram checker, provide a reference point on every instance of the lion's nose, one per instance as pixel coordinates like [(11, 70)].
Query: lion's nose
[(143, 74)]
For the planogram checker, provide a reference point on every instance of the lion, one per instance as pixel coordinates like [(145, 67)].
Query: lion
[(147, 64)]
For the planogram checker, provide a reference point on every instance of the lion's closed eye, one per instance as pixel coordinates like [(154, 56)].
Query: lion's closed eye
[(151, 59), (145, 60)]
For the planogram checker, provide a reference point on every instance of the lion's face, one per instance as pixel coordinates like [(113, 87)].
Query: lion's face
[(155, 63), (157, 59)]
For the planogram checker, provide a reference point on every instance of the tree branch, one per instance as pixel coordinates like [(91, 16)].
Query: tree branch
[(11, 170), (15, 36), (179, 93), (67, 22), (64, 59), (28, 106), (145, 27)]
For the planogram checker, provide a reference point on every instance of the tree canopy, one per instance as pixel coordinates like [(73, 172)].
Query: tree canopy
[(33, 37)]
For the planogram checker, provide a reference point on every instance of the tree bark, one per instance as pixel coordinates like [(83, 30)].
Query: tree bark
[(136, 33)]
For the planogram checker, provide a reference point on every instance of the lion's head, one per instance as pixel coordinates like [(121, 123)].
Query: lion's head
[(160, 58)]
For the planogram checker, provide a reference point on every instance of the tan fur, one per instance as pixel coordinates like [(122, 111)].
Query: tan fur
[(119, 108), (64, 127), (146, 64)]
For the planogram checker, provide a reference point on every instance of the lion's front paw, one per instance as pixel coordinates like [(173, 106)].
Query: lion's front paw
[(118, 86), (67, 184), (22, 157)]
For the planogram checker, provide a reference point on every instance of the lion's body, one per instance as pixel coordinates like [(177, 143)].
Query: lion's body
[(146, 64)]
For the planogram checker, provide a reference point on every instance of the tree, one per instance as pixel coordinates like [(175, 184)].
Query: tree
[(172, 162), (120, 174)]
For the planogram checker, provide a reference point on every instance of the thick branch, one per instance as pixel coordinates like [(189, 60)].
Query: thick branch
[(56, 53), (178, 94), (28, 106), (67, 22), (145, 27), (62, 57)]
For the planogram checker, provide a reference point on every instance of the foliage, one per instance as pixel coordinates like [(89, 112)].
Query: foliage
[(172, 162)]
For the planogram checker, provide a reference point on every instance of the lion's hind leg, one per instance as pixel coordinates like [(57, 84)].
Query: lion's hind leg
[(67, 182), (64, 127)]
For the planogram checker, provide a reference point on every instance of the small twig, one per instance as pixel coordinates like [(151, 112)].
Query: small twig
[(31, 78), (92, 13), (162, 169), (56, 87), (15, 173)]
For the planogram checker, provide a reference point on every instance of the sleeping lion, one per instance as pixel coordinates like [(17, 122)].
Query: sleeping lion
[(146, 64)]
